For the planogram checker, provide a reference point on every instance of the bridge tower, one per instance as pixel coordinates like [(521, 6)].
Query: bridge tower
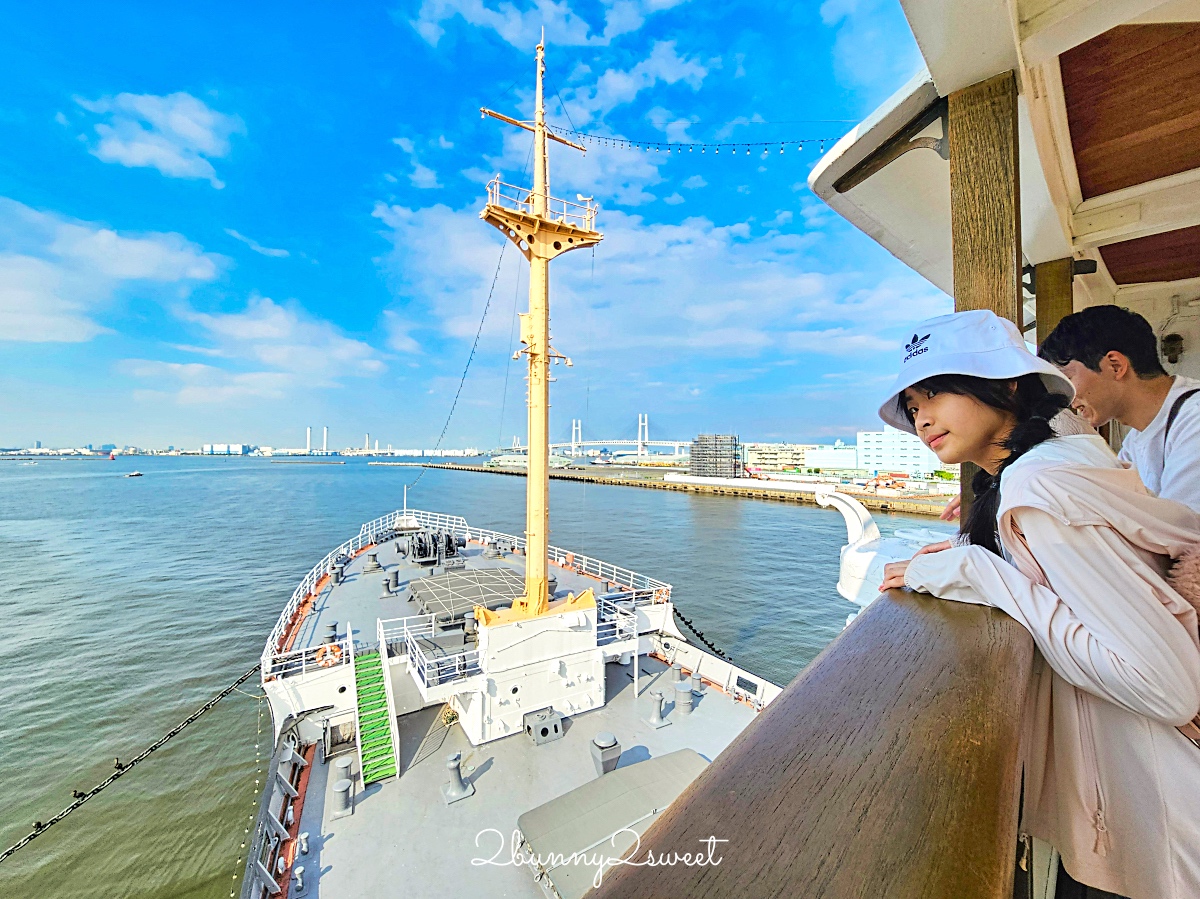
[(643, 433), (543, 228), (576, 436)]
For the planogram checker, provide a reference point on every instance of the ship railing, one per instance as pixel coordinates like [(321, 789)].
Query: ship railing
[(648, 589), (890, 766), (304, 661), (651, 589), (523, 200), (394, 632), (435, 670), (616, 621), (367, 535)]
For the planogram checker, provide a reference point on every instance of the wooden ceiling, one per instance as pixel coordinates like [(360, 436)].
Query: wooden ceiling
[(1169, 256), (1133, 105)]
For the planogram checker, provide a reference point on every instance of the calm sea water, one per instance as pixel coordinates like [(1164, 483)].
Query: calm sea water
[(128, 602)]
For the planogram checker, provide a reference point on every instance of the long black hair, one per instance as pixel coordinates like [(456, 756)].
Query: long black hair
[(1032, 405)]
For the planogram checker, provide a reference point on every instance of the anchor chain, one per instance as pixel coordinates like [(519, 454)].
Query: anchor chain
[(700, 634), (123, 768)]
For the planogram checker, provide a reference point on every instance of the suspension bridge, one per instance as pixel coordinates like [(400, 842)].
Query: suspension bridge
[(577, 446)]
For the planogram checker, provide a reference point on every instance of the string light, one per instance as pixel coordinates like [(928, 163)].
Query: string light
[(620, 143)]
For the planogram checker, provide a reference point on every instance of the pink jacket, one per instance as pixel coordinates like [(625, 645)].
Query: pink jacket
[(1109, 781)]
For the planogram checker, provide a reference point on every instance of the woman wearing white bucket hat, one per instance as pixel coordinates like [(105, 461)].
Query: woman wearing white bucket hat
[(1110, 780)]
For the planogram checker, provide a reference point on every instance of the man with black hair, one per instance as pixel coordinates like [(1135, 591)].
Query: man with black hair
[(1111, 356)]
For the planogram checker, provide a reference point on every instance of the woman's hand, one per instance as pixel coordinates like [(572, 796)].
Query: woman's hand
[(950, 513), (893, 576), (935, 548)]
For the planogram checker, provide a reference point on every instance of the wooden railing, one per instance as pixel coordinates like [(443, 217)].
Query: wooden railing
[(888, 767)]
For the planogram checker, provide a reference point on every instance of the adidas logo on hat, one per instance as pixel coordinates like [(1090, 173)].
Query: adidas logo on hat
[(916, 347)]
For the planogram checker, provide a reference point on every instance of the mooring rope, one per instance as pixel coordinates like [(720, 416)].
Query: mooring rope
[(40, 827), (700, 634)]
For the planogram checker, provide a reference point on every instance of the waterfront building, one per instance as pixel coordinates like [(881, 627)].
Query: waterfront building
[(777, 456), (838, 457), (226, 449), (892, 450), (716, 456)]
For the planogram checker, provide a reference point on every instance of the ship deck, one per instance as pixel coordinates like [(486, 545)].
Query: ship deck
[(360, 599), (403, 839)]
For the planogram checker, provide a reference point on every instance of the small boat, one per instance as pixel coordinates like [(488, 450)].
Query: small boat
[(134, 474)]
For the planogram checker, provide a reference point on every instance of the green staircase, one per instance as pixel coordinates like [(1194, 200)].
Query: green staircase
[(376, 757)]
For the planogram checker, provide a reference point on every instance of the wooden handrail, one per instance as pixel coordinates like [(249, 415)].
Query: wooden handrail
[(888, 767)]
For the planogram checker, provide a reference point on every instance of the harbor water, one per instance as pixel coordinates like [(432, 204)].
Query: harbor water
[(130, 601)]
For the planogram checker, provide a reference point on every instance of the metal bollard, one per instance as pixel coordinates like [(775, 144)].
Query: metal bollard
[(342, 797), (298, 871), (697, 683), (330, 633), (394, 579), (656, 718), (457, 788), (683, 697), (677, 672), (343, 768), (304, 843), (606, 752), (387, 586), (336, 575), (372, 562)]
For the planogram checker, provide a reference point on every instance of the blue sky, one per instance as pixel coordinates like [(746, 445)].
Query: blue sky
[(222, 223)]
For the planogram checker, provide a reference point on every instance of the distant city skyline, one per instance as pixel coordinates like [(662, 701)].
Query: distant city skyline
[(205, 235)]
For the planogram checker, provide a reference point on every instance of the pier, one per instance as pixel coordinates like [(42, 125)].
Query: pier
[(908, 505)]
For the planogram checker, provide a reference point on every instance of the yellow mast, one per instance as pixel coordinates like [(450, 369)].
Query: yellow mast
[(542, 227)]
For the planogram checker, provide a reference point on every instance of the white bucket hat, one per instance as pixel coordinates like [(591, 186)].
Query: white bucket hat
[(978, 343)]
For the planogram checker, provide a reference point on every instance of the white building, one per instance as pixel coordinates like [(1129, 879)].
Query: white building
[(838, 457), (777, 456), (226, 449), (892, 450)]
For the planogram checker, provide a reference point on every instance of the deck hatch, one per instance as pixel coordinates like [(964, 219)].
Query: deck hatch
[(451, 595)]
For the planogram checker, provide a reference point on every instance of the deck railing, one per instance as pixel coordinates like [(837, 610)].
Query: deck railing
[(522, 200), (302, 661), (435, 670), (615, 622), (888, 767), (647, 589)]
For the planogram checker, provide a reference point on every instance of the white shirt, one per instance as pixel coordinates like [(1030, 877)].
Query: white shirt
[(1170, 469)]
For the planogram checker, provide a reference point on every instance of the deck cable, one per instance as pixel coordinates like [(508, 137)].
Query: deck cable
[(699, 633), (40, 828)]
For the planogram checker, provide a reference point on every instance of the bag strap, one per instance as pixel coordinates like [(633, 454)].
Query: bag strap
[(1179, 401)]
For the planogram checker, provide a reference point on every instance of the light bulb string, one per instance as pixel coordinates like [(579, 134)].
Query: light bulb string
[(602, 140)]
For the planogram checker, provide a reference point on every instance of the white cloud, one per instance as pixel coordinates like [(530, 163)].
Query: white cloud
[(674, 199), (397, 329), (288, 340), (694, 182), (198, 384), (713, 290), (57, 275), (422, 176), (873, 48), (616, 86), (522, 28), (177, 134), (256, 246)]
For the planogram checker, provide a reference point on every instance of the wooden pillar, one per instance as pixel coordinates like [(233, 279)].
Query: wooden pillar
[(985, 206), (1053, 297), (985, 197)]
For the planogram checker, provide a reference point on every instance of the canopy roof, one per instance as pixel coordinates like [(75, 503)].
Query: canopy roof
[(1109, 137)]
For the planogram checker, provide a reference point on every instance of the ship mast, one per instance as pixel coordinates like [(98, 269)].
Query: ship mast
[(542, 227)]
